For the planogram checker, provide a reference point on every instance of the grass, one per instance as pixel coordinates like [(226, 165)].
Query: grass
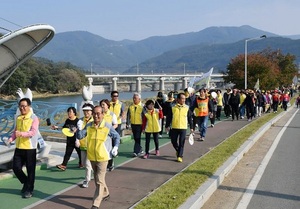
[(176, 191)]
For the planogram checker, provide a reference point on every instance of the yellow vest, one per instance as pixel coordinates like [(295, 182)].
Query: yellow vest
[(242, 98), (220, 100), (23, 124), (108, 116), (152, 125), (83, 142), (136, 114), (117, 109), (96, 137), (180, 116), (202, 107)]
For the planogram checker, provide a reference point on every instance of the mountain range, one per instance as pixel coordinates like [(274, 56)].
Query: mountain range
[(188, 53)]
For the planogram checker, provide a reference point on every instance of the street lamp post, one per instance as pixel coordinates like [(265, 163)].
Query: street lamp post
[(246, 42)]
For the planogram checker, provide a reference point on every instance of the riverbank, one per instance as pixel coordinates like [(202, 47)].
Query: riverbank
[(37, 95)]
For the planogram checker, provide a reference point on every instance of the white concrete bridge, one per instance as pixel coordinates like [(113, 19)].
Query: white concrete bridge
[(180, 81)]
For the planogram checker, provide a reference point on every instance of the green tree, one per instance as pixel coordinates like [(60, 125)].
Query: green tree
[(272, 68)]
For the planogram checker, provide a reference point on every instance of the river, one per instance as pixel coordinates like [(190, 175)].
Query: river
[(96, 97)]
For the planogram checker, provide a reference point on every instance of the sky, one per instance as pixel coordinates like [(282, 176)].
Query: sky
[(140, 19)]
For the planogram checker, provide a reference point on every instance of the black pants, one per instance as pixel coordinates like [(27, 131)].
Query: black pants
[(178, 140), (147, 143), (137, 132), (25, 157), (235, 111), (69, 150), (218, 113)]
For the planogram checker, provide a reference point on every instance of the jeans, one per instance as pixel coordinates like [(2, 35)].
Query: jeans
[(202, 125)]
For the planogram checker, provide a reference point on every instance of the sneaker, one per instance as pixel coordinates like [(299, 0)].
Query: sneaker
[(111, 168), (80, 165), (157, 152), (85, 184), (202, 139), (141, 153), (105, 198), (27, 194), (146, 156), (160, 136), (61, 167), (179, 159), (134, 154), (212, 125)]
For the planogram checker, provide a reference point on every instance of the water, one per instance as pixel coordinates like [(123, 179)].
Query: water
[(96, 97)]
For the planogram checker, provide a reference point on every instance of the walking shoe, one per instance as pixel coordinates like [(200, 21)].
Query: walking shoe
[(105, 198), (202, 139), (85, 184), (80, 165), (146, 156), (111, 168), (141, 153), (212, 125), (27, 194), (61, 167), (179, 159), (134, 154), (157, 153), (160, 136)]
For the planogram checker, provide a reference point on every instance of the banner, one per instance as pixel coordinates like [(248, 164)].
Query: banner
[(203, 81), (295, 80), (257, 84)]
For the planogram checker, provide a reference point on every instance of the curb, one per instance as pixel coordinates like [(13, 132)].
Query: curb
[(205, 191)]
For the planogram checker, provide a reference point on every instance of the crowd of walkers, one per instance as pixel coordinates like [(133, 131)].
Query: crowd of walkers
[(96, 135)]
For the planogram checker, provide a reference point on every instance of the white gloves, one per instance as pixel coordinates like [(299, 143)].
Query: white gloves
[(114, 151), (79, 125), (77, 143)]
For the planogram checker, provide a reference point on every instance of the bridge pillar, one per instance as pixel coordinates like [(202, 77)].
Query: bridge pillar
[(177, 86), (184, 82), (114, 84), (138, 84), (162, 83)]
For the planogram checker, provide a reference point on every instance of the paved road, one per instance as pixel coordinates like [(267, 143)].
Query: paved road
[(268, 175)]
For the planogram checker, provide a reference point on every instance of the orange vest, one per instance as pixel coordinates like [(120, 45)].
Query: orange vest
[(202, 107)]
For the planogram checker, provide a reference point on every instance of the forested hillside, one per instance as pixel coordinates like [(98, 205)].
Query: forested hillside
[(43, 75)]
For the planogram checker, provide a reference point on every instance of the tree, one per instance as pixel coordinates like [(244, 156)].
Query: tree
[(272, 68)]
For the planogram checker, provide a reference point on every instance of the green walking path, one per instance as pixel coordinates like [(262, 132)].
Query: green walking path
[(51, 181)]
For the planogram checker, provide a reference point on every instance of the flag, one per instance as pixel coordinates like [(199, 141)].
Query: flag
[(257, 84), (202, 81), (295, 80)]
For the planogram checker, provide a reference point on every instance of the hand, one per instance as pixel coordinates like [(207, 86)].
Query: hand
[(80, 124), (8, 142), (114, 151), (53, 127), (77, 143), (18, 134)]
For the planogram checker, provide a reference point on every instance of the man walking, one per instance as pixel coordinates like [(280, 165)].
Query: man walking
[(26, 136), (178, 119), (99, 134), (135, 119)]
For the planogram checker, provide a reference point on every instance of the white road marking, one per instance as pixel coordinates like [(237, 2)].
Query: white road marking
[(261, 169)]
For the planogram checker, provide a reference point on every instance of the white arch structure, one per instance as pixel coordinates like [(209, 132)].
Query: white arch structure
[(18, 46)]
